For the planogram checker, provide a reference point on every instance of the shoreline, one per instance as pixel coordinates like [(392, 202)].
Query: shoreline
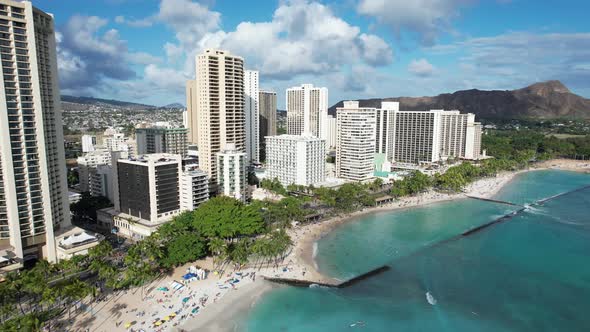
[(225, 306)]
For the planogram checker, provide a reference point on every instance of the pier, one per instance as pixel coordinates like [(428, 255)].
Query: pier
[(344, 284)]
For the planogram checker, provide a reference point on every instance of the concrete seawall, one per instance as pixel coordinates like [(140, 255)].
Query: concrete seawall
[(344, 284)]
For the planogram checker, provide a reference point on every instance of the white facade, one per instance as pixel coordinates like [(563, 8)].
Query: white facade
[(88, 143), (355, 142), (219, 111), (296, 159), (115, 142), (252, 109), (34, 204), (232, 177), (328, 132), (385, 129), (89, 162), (194, 188), (305, 105)]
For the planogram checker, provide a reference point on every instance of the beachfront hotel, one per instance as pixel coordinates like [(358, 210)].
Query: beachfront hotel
[(34, 205), (294, 159), (384, 135), (217, 117), (252, 110), (355, 141), (306, 105)]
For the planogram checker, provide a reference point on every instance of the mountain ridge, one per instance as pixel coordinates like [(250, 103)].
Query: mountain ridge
[(543, 100)]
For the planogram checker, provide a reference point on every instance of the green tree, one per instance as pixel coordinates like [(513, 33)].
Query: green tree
[(227, 218)]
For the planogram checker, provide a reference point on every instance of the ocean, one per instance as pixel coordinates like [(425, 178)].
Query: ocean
[(528, 273)]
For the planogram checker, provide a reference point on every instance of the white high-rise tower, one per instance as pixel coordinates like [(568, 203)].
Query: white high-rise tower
[(252, 109), (33, 189)]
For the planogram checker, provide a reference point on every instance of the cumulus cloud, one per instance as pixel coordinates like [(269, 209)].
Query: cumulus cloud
[(421, 68), (303, 37), (427, 18), (86, 56)]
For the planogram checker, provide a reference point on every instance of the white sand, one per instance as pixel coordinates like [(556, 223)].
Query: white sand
[(299, 264)]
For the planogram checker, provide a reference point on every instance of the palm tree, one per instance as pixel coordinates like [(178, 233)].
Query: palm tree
[(216, 246)]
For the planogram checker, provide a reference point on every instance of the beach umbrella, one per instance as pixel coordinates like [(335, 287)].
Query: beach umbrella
[(158, 323), (172, 315), (165, 319)]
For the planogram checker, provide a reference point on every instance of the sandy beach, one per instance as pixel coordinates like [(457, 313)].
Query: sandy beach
[(220, 299)]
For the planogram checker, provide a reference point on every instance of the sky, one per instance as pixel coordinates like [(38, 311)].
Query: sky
[(143, 50)]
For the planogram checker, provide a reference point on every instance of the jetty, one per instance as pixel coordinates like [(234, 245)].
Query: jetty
[(541, 201), (492, 200), (344, 284)]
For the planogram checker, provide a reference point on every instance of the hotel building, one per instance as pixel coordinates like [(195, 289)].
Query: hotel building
[(219, 108), (252, 109), (355, 142), (296, 159), (305, 105), (34, 204), (267, 119)]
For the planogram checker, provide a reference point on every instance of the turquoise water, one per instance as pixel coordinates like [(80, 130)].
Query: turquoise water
[(530, 273)]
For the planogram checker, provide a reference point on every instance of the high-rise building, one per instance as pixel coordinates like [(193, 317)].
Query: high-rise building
[(219, 108), (385, 134), (294, 159), (329, 132), (162, 140), (34, 204), (304, 107), (194, 188), (267, 119), (147, 193), (231, 170), (88, 143), (417, 137), (191, 112), (355, 142), (473, 141), (252, 109)]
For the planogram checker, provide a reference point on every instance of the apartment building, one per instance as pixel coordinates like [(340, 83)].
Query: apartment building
[(88, 143), (219, 110), (355, 141), (194, 188), (252, 109), (305, 106), (417, 137), (34, 204), (232, 175), (162, 139), (294, 159), (268, 118), (190, 118), (89, 162)]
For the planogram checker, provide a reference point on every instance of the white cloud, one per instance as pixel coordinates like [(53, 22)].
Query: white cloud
[(421, 68), (86, 56), (427, 18)]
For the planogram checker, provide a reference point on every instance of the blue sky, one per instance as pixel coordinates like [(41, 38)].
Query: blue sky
[(143, 50)]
